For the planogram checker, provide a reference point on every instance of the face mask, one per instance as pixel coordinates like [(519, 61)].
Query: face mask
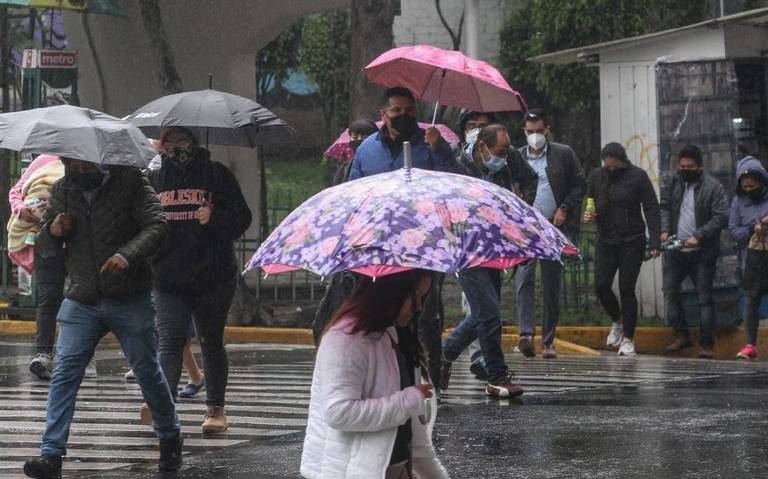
[(85, 181), (355, 144), (756, 195), (537, 141), (614, 173), (494, 163), (471, 136), (690, 176), (405, 125)]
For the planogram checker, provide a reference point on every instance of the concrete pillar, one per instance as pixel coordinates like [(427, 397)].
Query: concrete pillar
[(471, 38)]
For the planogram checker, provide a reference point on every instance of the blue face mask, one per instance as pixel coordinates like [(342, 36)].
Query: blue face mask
[(494, 163)]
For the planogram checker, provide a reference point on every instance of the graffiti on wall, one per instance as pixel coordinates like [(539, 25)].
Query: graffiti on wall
[(645, 154)]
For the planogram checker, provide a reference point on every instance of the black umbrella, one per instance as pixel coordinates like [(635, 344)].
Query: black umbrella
[(218, 118)]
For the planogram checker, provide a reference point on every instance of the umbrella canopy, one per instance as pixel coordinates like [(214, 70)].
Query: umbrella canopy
[(340, 149), (214, 117), (410, 218), (78, 133), (446, 77)]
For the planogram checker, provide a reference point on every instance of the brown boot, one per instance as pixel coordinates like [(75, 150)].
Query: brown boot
[(146, 415), (215, 420), (679, 344), (706, 353)]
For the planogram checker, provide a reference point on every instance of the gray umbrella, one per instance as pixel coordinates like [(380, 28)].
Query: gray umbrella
[(214, 117), (78, 133)]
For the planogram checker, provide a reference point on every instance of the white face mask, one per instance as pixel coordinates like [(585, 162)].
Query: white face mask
[(471, 136), (537, 141)]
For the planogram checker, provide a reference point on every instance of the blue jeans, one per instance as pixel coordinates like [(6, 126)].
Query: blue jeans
[(81, 326), (481, 286)]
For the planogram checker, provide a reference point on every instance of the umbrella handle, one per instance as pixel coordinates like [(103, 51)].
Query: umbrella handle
[(439, 94), (407, 155)]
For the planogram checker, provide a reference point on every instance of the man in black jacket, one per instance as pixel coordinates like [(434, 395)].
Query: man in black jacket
[(694, 207), (109, 222), (559, 192), (196, 271)]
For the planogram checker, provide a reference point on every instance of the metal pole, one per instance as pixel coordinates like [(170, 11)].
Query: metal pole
[(472, 28), (407, 155)]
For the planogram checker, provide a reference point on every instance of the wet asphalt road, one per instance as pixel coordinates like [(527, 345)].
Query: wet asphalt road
[(581, 417)]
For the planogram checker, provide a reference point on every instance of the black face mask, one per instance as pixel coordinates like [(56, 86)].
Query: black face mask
[(85, 181), (406, 126), (690, 176), (756, 195), (614, 174), (355, 144), (180, 155)]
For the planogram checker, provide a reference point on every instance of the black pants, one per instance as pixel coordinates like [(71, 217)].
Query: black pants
[(626, 258), (700, 267), (755, 286), (49, 281), (209, 312)]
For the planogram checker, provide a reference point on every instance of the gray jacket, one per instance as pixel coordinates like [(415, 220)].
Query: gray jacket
[(710, 205)]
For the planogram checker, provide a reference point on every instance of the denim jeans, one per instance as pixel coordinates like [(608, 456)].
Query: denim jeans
[(481, 286), (81, 326), (525, 282), (209, 312), (49, 280), (700, 267)]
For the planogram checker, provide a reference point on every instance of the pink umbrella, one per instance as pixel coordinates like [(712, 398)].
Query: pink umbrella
[(340, 149), (446, 77)]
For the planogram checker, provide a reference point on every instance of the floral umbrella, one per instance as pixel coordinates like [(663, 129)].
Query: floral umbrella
[(340, 149), (410, 218)]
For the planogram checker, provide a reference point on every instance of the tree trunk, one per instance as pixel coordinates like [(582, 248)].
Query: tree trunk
[(105, 103), (371, 36), (170, 81)]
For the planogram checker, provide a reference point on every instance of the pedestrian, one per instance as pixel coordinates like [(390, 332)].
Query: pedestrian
[(626, 206), (694, 208), (749, 208), (559, 192), (358, 130), (110, 222), (383, 151), (196, 270), (485, 157), (367, 414), (28, 200)]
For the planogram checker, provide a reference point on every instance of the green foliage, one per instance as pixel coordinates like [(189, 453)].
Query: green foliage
[(542, 26), (274, 61)]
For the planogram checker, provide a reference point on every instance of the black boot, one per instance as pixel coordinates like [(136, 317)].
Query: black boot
[(44, 467), (170, 454)]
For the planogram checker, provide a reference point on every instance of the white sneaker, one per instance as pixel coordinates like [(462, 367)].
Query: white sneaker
[(129, 376), (627, 348), (614, 337), (42, 366), (90, 370)]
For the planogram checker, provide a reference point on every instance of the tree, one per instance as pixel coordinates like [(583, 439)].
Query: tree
[(170, 81), (324, 59), (371, 35), (275, 61), (455, 35)]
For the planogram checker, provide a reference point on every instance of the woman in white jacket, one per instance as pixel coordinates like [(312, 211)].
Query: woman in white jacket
[(367, 412)]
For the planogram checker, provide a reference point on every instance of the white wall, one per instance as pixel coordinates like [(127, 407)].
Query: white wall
[(628, 115), (695, 44), (420, 24)]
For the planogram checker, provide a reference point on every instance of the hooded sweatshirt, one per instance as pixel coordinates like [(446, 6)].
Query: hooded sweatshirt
[(195, 256), (745, 213)]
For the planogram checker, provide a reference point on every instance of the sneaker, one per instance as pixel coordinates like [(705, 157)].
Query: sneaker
[(170, 454), (706, 353), (627, 347), (191, 390), (145, 414), (526, 346), (548, 352), (215, 420), (503, 388), (679, 344), (129, 376), (42, 366), (90, 370), (445, 374), (747, 352), (478, 369), (614, 337), (43, 467)]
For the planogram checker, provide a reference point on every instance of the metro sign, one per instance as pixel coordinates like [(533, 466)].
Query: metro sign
[(49, 59)]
